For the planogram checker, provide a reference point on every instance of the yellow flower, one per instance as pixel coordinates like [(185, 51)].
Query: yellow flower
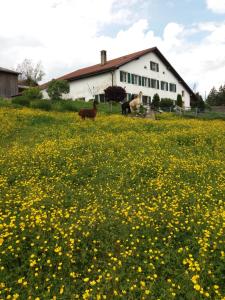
[(197, 287), (61, 290), (86, 279), (20, 280), (142, 283)]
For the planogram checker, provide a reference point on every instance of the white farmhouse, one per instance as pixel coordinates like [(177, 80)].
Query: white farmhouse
[(147, 71)]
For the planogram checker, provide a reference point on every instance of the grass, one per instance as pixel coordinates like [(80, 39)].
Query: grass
[(60, 106), (118, 208)]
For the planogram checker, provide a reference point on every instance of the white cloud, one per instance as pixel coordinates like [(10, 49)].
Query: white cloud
[(217, 6), (66, 35)]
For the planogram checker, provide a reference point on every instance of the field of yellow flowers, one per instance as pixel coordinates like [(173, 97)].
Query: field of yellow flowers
[(118, 208)]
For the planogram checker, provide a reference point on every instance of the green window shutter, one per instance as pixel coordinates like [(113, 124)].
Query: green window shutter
[(142, 79), (157, 67), (132, 78), (139, 80), (149, 82), (128, 77), (158, 84), (121, 76)]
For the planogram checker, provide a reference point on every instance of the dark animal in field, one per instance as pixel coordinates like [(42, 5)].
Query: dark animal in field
[(125, 108), (88, 112)]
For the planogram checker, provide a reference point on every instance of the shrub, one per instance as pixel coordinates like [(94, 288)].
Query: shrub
[(56, 88), (155, 101), (115, 93), (42, 104), (32, 93), (179, 101), (166, 102), (21, 100)]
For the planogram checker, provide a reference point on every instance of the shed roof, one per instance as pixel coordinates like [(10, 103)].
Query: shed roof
[(8, 71)]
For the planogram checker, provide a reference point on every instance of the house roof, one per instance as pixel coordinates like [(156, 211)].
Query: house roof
[(114, 64), (8, 71)]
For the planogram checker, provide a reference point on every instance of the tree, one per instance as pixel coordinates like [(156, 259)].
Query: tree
[(156, 101), (32, 93), (30, 73), (58, 87), (199, 102), (212, 97), (221, 96), (179, 101), (115, 93)]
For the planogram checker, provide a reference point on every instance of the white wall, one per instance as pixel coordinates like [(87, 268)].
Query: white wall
[(87, 88), (137, 67)]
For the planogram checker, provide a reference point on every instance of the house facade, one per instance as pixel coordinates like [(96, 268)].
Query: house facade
[(8, 83), (147, 71)]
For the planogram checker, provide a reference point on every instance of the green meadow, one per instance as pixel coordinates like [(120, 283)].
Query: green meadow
[(116, 208)]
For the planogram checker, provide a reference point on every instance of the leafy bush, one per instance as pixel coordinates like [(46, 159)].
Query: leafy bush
[(179, 101), (32, 93), (115, 93), (42, 104), (166, 102), (21, 100), (56, 88), (156, 101)]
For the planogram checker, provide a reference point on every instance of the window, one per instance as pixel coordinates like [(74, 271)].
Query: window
[(145, 100), (149, 82), (144, 81), (154, 66), (102, 97), (134, 79), (164, 86), (173, 87), (123, 76), (154, 83), (182, 93)]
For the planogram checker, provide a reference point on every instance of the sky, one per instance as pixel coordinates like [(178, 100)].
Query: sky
[(66, 35)]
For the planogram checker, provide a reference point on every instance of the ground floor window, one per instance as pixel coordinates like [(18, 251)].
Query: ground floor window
[(146, 100), (129, 96), (100, 98)]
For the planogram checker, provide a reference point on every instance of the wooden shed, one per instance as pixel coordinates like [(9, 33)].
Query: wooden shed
[(8, 83)]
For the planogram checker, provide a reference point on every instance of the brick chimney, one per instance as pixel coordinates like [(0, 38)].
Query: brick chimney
[(103, 57)]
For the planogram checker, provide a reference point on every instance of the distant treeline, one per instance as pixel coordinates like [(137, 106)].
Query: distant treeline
[(216, 98)]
